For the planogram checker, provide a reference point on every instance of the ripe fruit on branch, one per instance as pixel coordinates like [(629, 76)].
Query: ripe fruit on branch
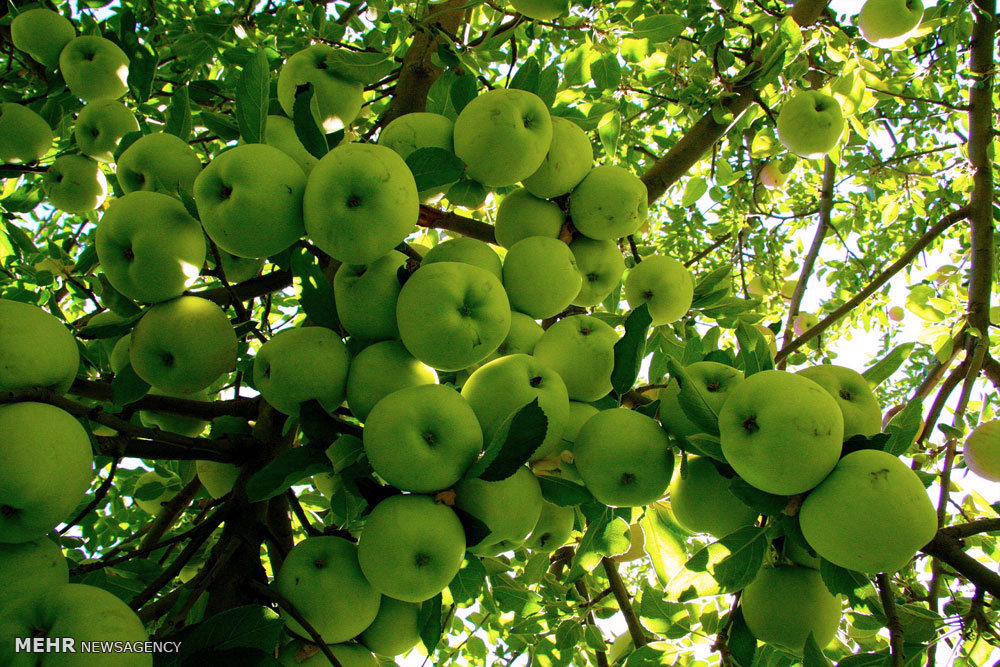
[(395, 630), (861, 410), (30, 569), (715, 382), (982, 451), (702, 502), (553, 529), (581, 348), (94, 68), (366, 294), (24, 135), (810, 124), (521, 214), (609, 203), (413, 131), (36, 349), (466, 251), (158, 162), (782, 605), (889, 23), (569, 160), (510, 508), (336, 100), (664, 284), (100, 127), (42, 34), (601, 264), (75, 184), (379, 370), (302, 364), (540, 276)]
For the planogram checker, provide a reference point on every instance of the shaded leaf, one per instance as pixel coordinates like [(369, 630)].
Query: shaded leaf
[(287, 469), (306, 127), (526, 77), (429, 622), (763, 502), (887, 365), (608, 535), (253, 95), (630, 350), (434, 167), (562, 492), (812, 654), (742, 643), (127, 387), (513, 444), (316, 291), (179, 114), (466, 586), (841, 581)]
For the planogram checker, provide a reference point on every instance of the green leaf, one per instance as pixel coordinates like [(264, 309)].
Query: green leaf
[(609, 130), (362, 67), (250, 626), (562, 492), (515, 441), (880, 659), (887, 365), (548, 85), (841, 581), (527, 76), (429, 622), (253, 96), (606, 72), (179, 114), (765, 503), (692, 401), (466, 586), (693, 191), (112, 330), (434, 167), (141, 71), (904, 428), (287, 469), (745, 550), (306, 126), (344, 451), (812, 654), (463, 91), (127, 387), (608, 535), (316, 294), (467, 193), (755, 352), (630, 350), (115, 300), (320, 429), (659, 28), (742, 643), (858, 442)]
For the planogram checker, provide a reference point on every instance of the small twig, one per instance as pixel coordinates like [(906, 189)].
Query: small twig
[(300, 514), (280, 600), (99, 495), (892, 620), (624, 602)]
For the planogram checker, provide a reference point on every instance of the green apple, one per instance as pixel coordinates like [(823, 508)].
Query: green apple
[(452, 315), (601, 264), (149, 246), (366, 294), (395, 630), (75, 184), (100, 127), (24, 135), (889, 23), (77, 611), (94, 68), (702, 502), (803, 322), (781, 432), (301, 653), (861, 410), (45, 469), (553, 529), (521, 339), (871, 514), (522, 214), (360, 202), (250, 200), (713, 381), (503, 136), (189, 426), (510, 508), (579, 413), (36, 349), (183, 345), (569, 160), (379, 370), (336, 100), (321, 576), (624, 458), (238, 269), (29, 569), (505, 385), (217, 478), (158, 162), (609, 203), (540, 276), (280, 133), (152, 491), (302, 364), (810, 124), (412, 131), (788, 289), (467, 251), (581, 348), (422, 438), (783, 605), (664, 284), (544, 10), (42, 34), (411, 547), (771, 176), (896, 314), (982, 451)]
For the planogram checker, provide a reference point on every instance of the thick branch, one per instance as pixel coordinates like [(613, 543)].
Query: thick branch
[(170, 512), (208, 410), (949, 550), (275, 281), (624, 602), (452, 222), (961, 530)]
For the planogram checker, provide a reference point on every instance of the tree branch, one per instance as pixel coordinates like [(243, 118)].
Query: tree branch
[(245, 408), (452, 222), (958, 531), (892, 620), (277, 598), (949, 550), (624, 602), (170, 512), (99, 495), (275, 281)]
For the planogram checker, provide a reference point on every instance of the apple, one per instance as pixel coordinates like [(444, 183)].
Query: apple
[(810, 124), (609, 203), (411, 547), (36, 349), (702, 502), (30, 569), (467, 251), (217, 478), (544, 10), (94, 68), (336, 100), (797, 551), (788, 289), (422, 438), (982, 451), (366, 294), (149, 246), (569, 160), (889, 23), (379, 370), (772, 177), (322, 578), (189, 426), (279, 132), (158, 162), (183, 345), (521, 339), (601, 265), (624, 458), (540, 276), (412, 131), (861, 410), (637, 545), (78, 611), (100, 127), (510, 508), (237, 269), (503, 136), (42, 34), (301, 653), (395, 630), (152, 491), (871, 514), (803, 322), (896, 314), (360, 202), (505, 385), (45, 469), (75, 184), (581, 348), (521, 214), (781, 432), (553, 528), (664, 284), (250, 200), (783, 605), (302, 364), (714, 382), (452, 315), (579, 413), (24, 135)]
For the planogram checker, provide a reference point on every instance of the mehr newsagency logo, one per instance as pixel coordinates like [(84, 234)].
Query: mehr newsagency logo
[(71, 645)]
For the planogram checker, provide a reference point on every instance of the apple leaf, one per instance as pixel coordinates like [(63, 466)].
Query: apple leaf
[(288, 468), (903, 428), (115, 300), (179, 114), (475, 530), (434, 167), (317, 297), (364, 67), (562, 492), (887, 365), (111, 330), (253, 95), (812, 654), (466, 586), (606, 72), (319, 427), (127, 387), (249, 626), (429, 622), (858, 442), (755, 352), (659, 28), (467, 193), (241, 655), (141, 71), (630, 350), (526, 77), (742, 643), (841, 581), (513, 444), (763, 502), (608, 535), (463, 91), (306, 128), (865, 660), (548, 85), (345, 451), (692, 400), (734, 560)]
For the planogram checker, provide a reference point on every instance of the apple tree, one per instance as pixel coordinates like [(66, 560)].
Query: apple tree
[(499, 332)]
